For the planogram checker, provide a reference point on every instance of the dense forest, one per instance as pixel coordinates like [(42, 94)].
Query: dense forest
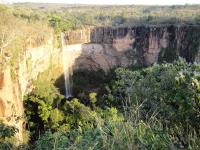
[(154, 107)]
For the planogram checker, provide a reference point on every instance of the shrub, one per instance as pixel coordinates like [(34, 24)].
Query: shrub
[(171, 91), (7, 132), (151, 108)]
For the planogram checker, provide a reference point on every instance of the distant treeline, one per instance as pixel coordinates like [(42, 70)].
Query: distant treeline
[(29, 24), (77, 16)]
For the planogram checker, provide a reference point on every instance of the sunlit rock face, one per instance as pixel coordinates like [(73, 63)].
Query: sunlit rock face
[(99, 56), (11, 106), (106, 47), (16, 81)]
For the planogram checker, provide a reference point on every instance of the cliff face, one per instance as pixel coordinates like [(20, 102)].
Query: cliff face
[(105, 47), (16, 82), (93, 49)]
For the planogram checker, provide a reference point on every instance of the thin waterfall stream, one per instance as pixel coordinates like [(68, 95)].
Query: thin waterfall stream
[(71, 52), (67, 66)]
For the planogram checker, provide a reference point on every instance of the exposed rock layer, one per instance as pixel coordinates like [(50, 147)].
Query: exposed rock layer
[(15, 82), (105, 47)]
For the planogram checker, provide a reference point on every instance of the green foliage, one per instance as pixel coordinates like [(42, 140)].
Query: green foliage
[(6, 132), (152, 136), (59, 24), (41, 105), (78, 115), (77, 16), (157, 106), (92, 138), (56, 116), (115, 135), (151, 108), (18, 32), (85, 82), (46, 110), (92, 97), (52, 141), (168, 91), (73, 140)]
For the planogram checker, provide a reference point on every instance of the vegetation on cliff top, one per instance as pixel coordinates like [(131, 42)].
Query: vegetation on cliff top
[(25, 25), (78, 16), (17, 33)]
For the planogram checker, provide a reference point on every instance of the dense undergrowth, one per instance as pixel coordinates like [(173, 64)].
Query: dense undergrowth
[(152, 108)]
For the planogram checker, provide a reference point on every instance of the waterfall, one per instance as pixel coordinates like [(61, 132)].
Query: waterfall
[(67, 66)]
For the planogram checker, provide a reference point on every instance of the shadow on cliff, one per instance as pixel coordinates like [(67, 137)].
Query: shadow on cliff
[(60, 84), (89, 76), (92, 74), (183, 41)]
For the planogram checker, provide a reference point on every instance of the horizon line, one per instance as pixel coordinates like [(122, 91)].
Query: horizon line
[(102, 4)]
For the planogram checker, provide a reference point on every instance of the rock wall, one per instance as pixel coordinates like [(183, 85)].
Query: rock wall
[(106, 47), (15, 82), (93, 49)]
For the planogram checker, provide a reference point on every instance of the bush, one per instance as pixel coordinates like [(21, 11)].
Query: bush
[(168, 91), (7, 132), (151, 108)]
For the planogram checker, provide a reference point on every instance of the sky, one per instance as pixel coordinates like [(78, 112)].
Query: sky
[(118, 2)]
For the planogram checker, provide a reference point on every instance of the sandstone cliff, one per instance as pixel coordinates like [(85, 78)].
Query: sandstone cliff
[(15, 82), (106, 47), (93, 49)]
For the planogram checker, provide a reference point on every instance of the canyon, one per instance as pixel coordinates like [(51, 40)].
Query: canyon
[(106, 47), (93, 49)]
